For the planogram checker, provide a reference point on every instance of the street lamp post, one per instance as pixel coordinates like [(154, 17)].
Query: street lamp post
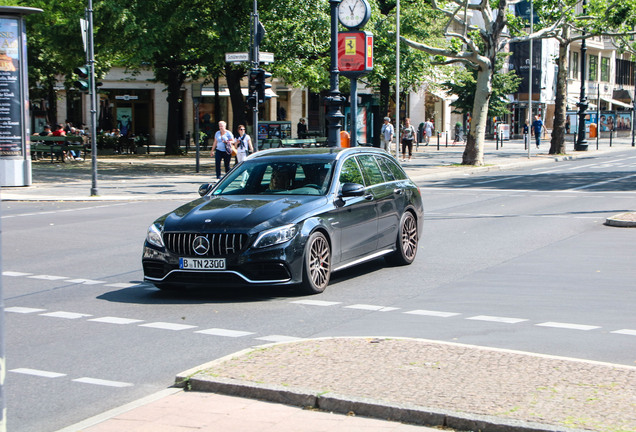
[(581, 142), (334, 100)]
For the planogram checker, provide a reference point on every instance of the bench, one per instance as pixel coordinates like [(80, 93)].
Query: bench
[(57, 145)]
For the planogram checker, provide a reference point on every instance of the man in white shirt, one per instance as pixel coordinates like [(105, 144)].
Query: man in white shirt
[(386, 134)]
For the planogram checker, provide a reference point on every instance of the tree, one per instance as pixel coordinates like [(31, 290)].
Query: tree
[(476, 44), (614, 18)]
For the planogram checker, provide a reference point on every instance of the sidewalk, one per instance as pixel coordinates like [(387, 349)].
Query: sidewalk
[(354, 384)]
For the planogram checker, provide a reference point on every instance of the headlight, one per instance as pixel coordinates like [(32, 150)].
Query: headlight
[(275, 236), (154, 236)]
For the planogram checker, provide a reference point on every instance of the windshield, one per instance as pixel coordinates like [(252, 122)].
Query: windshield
[(277, 177)]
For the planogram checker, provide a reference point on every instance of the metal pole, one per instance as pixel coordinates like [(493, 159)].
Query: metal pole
[(397, 83), (634, 101), (255, 65), (93, 98), (598, 116), (581, 143), (196, 130), (354, 113), (530, 78), (334, 100)]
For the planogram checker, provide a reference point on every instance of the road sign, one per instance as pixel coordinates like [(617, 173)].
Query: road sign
[(265, 57), (237, 57)]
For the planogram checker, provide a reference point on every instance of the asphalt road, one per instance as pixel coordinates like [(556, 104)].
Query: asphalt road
[(515, 259)]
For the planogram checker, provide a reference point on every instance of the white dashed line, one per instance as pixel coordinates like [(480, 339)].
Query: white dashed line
[(315, 302), (85, 281), (279, 338), (12, 273), (497, 319), (568, 326), (115, 320), (23, 310), (102, 382), (625, 332), (432, 313), (168, 326), (36, 372), (122, 285), (48, 277), (65, 315), (224, 332), (372, 307)]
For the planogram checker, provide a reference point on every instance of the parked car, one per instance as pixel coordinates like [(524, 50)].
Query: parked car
[(288, 217)]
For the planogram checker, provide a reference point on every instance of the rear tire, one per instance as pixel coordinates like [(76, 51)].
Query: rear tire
[(407, 241), (316, 264)]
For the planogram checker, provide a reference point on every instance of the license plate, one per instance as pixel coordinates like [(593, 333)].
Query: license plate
[(202, 263)]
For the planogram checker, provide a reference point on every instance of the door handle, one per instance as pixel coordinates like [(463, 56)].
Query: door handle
[(368, 197), (398, 191)]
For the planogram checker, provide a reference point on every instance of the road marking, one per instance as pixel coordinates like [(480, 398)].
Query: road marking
[(96, 381), (224, 332), (36, 372), (48, 277), (85, 281), (432, 313), (497, 319), (115, 320), (23, 310), (279, 338), (568, 326), (602, 182), (315, 302), (168, 326), (499, 179), (12, 273), (372, 307), (625, 332), (65, 315), (122, 285)]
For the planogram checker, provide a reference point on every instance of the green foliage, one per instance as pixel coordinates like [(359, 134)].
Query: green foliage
[(464, 83)]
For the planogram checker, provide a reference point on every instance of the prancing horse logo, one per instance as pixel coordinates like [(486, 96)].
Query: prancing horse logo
[(201, 245)]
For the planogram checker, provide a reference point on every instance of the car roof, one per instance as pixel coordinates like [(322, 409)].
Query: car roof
[(321, 152)]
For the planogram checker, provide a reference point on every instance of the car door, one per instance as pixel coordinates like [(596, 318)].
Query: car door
[(386, 196), (355, 217)]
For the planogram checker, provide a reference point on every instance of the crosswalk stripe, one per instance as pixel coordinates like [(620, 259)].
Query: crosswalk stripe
[(372, 307), (66, 315), (315, 302), (625, 332), (224, 332), (23, 310), (96, 381), (168, 326), (432, 313), (36, 372), (115, 320), (568, 326), (497, 319)]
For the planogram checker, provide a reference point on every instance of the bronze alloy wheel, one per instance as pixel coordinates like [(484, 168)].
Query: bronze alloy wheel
[(317, 264), (409, 236)]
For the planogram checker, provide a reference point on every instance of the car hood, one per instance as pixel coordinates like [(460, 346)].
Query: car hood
[(251, 213)]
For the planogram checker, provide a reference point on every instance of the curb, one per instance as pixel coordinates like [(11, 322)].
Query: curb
[(367, 407), (623, 220)]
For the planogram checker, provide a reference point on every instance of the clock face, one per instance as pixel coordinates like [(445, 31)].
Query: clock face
[(353, 13)]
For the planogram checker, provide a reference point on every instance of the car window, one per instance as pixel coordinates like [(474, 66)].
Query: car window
[(350, 172), (309, 177), (370, 170), (390, 169)]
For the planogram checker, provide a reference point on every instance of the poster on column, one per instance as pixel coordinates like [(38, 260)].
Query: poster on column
[(10, 95)]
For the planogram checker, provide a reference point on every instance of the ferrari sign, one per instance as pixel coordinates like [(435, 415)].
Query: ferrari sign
[(355, 53)]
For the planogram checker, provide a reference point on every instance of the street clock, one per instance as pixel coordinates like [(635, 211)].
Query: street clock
[(354, 14)]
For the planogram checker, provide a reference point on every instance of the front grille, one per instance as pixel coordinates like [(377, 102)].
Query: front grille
[(222, 244)]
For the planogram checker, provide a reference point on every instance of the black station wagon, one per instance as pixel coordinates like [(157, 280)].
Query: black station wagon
[(288, 217)]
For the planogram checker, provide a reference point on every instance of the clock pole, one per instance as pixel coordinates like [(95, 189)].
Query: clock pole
[(334, 100)]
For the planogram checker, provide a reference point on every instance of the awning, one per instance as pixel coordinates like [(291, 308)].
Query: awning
[(616, 102), (225, 92)]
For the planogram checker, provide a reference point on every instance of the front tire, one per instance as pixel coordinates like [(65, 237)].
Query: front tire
[(407, 241), (317, 264)]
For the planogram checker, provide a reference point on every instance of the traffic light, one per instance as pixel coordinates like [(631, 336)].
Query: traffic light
[(82, 72), (251, 101), (253, 75), (262, 85)]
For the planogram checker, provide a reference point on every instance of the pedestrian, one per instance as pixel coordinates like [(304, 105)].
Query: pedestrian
[(408, 134), (46, 131), (243, 145), (386, 134), (537, 128), (459, 133), (222, 149), (301, 129), (429, 127)]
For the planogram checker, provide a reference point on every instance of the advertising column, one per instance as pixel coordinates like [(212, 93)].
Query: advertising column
[(15, 157)]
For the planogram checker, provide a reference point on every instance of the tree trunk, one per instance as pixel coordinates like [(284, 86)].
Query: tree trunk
[(557, 144), (175, 81), (474, 151), (233, 76)]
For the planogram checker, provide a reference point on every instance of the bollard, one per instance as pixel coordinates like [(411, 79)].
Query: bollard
[(447, 139), (611, 135), (437, 140), (525, 141), (187, 142), (496, 139)]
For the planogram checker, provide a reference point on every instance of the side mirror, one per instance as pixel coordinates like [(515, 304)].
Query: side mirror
[(205, 188), (352, 189)]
